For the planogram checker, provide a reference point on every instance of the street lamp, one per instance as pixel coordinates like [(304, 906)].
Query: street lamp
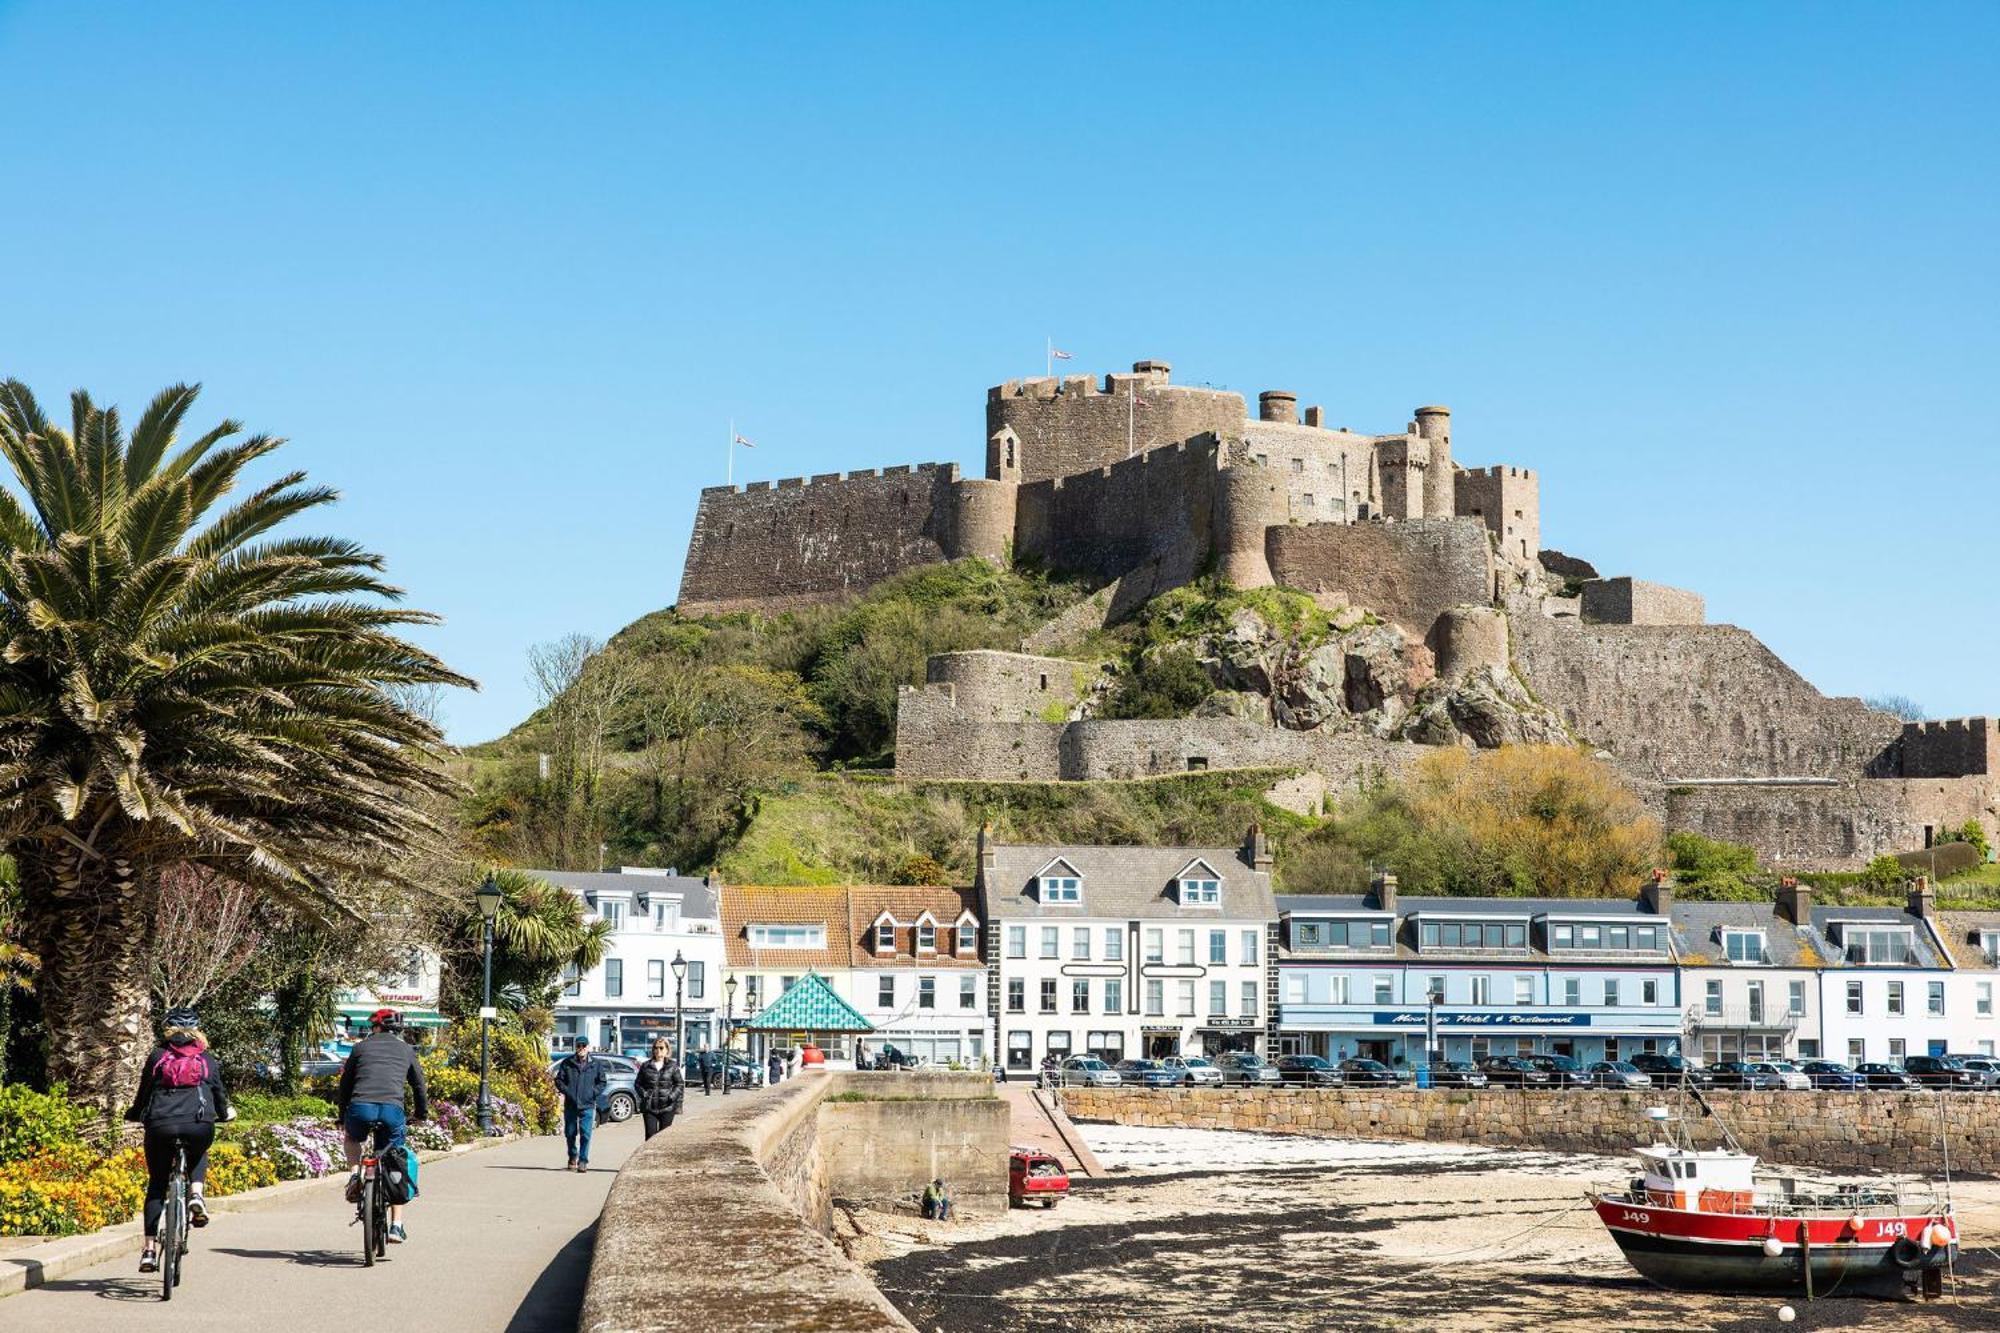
[(728, 1029), (488, 898), (680, 968)]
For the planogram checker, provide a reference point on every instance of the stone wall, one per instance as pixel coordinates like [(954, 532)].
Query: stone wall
[(935, 738), (1886, 1131), (1828, 824), (1011, 687), (1694, 701), (1406, 572), (1327, 475), (1103, 523), (1508, 500), (808, 540), (882, 1154), (1073, 425), (1947, 749), (1096, 750), (1627, 601)]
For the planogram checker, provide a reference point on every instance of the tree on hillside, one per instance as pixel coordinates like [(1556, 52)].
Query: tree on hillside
[(181, 687), (1901, 705), (583, 689)]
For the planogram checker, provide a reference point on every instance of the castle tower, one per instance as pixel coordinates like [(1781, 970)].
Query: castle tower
[(983, 514), (1062, 427), (1278, 405), (1249, 501), (1434, 426)]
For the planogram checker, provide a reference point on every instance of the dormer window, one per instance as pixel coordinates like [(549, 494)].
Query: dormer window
[(926, 936), (968, 934), (1743, 946), (1865, 942), (1200, 886), (1060, 883), (885, 936)]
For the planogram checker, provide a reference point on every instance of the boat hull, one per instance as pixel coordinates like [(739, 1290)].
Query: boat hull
[(1695, 1251)]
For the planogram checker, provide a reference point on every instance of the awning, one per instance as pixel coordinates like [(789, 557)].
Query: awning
[(809, 1006), (423, 1018)]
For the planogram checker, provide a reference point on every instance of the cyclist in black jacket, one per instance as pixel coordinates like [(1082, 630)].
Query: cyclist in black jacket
[(180, 1101), (371, 1099)]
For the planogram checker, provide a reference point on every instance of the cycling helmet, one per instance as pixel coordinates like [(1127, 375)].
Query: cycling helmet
[(183, 1018), (388, 1020)]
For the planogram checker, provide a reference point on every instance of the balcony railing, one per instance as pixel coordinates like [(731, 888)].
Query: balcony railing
[(1743, 1017)]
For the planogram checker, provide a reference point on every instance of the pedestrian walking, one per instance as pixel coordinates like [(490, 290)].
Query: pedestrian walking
[(705, 1062), (583, 1083), (660, 1087), (776, 1065), (861, 1055)]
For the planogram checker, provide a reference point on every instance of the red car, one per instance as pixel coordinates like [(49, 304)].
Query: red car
[(1033, 1175)]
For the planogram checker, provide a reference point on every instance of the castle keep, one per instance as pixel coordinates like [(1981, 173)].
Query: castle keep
[(1455, 626)]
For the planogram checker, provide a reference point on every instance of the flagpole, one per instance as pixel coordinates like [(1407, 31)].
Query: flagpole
[(730, 476)]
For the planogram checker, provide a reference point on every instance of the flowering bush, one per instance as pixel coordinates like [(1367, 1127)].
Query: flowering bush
[(267, 1108), (300, 1149), (32, 1123), (430, 1137), (231, 1170), (66, 1193)]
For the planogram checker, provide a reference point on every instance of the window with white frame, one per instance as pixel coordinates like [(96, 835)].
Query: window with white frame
[(1156, 997), (885, 992), (1482, 990), (926, 937), (1649, 991), (1711, 999), (666, 914), (613, 912), (1017, 941), (1385, 988), (614, 978), (1200, 891), (1524, 990), (1218, 998), (1218, 947), (656, 979), (968, 991), (1895, 997), (1989, 945), (1572, 992), (787, 935), (1185, 994), (1337, 989), (1898, 1050), (1248, 944), (1062, 889), (1611, 999), (1114, 995), (966, 936), (1079, 996), (1051, 941), (1795, 998), (1249, 999), (1114, 944), (1079, 944), (1857, 1051), (1982, 999), (1155, 945), (885, 937), (1017, 995), (1934, 998), (1187, 948), (1854, 997), (697, 980), (1295, 988), (1048, 995), (1743, 946), (1873, 944), (1434, 990)]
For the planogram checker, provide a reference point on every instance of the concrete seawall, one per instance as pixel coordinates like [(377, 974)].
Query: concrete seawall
[(721, 1223), (1880, 1131)]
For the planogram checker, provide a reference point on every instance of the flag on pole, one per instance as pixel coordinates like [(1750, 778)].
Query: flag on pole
[(745, 443), (1058, 354)]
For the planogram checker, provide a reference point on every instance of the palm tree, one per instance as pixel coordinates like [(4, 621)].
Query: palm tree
[(178, 686), (540, 933)]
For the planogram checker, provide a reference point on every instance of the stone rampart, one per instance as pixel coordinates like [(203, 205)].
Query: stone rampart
[(936, 738), (1828, 824), (1406, 572), (768, 547), (1880, 1131), (1011, 687), (1672, 702), (1954, 748), (1096, 750), (1627, 601), (1073, 424), (1103, 523), (721, 1223), (1508, 500)]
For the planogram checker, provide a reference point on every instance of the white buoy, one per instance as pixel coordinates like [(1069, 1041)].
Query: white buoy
[(1773, 1246), (1939, 1236), (1786, 1314), (1854, 1224)]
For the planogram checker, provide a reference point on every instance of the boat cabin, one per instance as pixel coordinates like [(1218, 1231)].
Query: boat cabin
[(1712, 1181)]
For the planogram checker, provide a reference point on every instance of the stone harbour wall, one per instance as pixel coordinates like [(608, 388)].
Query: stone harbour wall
[(1841, 1131)]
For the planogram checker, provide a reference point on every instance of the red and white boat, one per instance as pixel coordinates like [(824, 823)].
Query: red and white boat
[(1705, 1220)]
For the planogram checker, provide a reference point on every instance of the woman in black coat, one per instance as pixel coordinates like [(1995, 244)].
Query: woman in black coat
[(660, 1087)]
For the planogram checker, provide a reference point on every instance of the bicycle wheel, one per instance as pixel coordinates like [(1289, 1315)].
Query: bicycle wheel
[(381, 1219), (368, 1188), (171, 1231)]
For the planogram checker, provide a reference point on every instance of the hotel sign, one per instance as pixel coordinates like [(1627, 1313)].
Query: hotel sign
[(1483, 1018)]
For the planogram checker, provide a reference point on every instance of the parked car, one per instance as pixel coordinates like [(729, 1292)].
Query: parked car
[(1514, 1071), (1246, 1067), (1747, 1075), (1564, 1072), (1888, 1077), (1832, 1075), (1795, 1078), (1147, 1074), (1672, 1069), (1309, 1071), (1035, 1177), (1942, 1071), (1193, 1069), (622, 1074), (1457, 1074), (1618, 1074), (1087, 1071), (1360, 1073), (1986, 1066)]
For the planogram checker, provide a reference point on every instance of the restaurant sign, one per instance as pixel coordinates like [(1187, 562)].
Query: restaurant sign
[(1483, 1018)]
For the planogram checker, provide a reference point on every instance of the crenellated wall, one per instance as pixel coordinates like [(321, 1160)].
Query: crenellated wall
[(1951, 748), (768, 547), (1106, 522), (1509, 501), (1074, 424)]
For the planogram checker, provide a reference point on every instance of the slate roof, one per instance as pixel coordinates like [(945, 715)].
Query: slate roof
[(1523, 910), (1961, 931), (698, 896), (1123, 882), (809, 1006), (1696, 927)]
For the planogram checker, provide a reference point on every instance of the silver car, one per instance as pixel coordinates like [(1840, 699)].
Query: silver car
[(1618, 1074), (1246, 1067), (1986, 1066), (1194, 1070), (1087, 1071)]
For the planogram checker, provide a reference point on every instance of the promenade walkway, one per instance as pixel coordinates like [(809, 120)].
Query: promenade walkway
[(499, 1243)]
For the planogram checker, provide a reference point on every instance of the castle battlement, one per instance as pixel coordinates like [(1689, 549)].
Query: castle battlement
[(950, 471), (1499, 472)]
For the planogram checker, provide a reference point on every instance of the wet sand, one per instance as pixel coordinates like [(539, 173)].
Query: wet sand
[(1200, 1229)]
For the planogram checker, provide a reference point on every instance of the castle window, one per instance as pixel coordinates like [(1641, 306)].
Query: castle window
[(728, 530), (1045, 682), (1306, 500), (1197, 763), (1298, 465)]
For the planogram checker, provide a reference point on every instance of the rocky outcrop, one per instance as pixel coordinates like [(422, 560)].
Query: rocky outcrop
[(1488, 708)]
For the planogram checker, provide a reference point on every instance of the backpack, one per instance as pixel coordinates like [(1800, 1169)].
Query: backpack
[(399, 1173), (181, 1067)]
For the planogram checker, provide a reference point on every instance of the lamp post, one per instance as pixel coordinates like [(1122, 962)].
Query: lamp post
[(728, 1029), (680, 968), (488, 897)]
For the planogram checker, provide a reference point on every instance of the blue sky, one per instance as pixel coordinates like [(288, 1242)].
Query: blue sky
[(1724, 274)]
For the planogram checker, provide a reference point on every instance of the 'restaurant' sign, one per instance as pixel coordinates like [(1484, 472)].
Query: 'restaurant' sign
[(1483, 1018)]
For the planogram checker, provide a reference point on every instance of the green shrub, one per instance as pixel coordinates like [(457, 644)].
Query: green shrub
[(34, 1123), (265, 1107), (1165, 684)]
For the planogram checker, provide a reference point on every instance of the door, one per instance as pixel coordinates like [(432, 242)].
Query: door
[(1937, 1048), (1375, 1050), (1160, 1045)]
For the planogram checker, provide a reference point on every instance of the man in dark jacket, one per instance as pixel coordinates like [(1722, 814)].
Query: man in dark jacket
[(371, 1099), (583, 1082)]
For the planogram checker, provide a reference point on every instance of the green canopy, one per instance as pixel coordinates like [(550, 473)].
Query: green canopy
[(809, 1006)]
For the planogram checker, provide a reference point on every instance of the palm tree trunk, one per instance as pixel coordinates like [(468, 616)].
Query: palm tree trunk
[(90, 918)]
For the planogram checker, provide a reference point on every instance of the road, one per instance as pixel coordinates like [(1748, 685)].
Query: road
[(499, 1243)]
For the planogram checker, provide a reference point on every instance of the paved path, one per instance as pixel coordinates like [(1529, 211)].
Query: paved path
[(499, 1243)]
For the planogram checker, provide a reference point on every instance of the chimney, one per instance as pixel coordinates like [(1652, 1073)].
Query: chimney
[(1257, 849), (1795, 901), (1384, 886), (986, 870), (1923, 899), (1657, 894)]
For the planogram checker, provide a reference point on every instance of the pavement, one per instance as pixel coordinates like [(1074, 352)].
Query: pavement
[(1034, 1121), (500, 1242)]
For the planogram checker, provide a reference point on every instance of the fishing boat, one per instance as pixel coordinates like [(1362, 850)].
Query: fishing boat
[(1708, 1220)]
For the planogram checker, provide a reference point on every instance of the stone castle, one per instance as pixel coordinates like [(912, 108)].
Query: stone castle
[(1456, 627)]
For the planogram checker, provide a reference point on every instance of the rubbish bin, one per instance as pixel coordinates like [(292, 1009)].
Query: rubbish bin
[(1423, 1076)]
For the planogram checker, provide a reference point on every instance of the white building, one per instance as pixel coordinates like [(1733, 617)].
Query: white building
[(629, 999), (1127, 951), (1751, 978), (411, 989), (1973, 941)]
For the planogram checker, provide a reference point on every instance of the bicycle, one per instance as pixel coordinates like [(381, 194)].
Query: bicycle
[(174, 1224), (373, 1213)]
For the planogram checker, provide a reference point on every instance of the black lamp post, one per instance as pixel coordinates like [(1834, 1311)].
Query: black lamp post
[(728, 1029), (680, 968), (488, 897)]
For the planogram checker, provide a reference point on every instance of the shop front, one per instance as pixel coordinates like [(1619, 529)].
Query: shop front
[(1400, 1037), (1218, 1034)]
